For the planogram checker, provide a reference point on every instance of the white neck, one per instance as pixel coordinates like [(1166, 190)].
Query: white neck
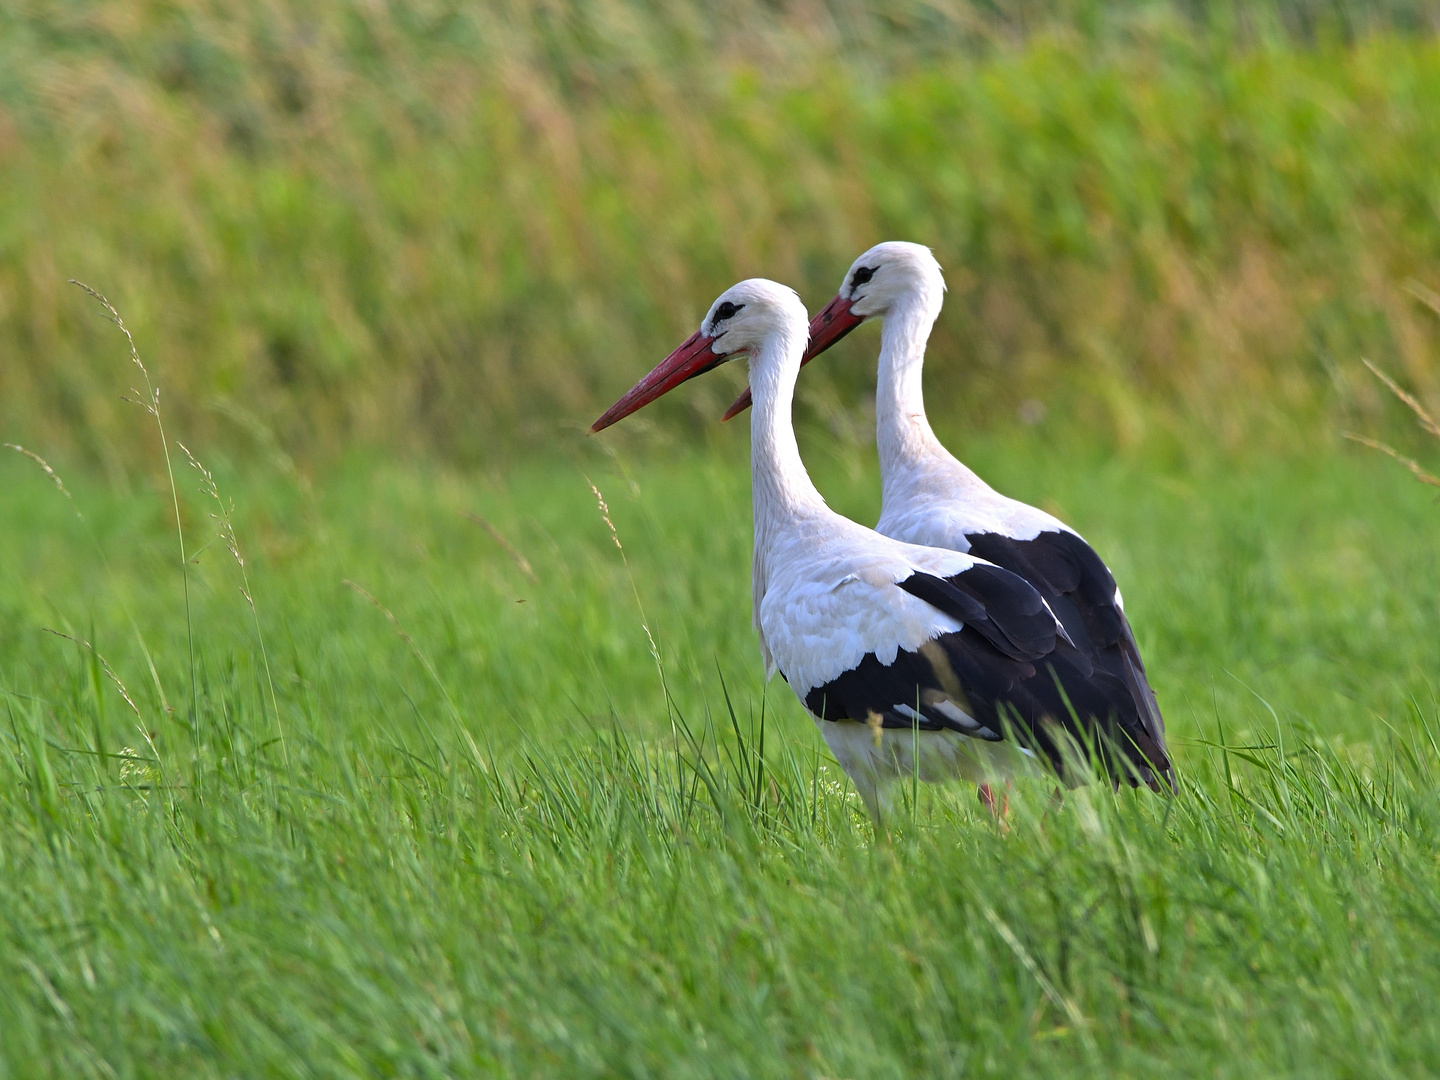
[(914, 466), (785, 499), (902, 433), (782, 490)]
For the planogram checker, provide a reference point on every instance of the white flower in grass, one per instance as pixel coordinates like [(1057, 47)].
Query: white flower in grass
[(133, 770)]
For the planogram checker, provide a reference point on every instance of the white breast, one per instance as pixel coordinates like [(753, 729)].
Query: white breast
[(830, 597)]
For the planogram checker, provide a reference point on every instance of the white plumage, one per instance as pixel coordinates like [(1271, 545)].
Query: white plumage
[(893, 648), (933, 499), (828, 595)]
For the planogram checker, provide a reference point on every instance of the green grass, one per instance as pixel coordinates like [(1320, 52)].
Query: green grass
[(494, 846), (452, 227), (441, 782)]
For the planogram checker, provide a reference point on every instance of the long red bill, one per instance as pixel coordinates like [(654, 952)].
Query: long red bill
[(690, 359), (826, 329)]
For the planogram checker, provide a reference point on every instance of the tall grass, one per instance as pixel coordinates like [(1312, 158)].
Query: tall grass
[(462, 825), (458, 227), (495, 847)]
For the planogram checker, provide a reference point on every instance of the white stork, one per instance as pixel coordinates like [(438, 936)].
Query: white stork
[(931, 498), (914, 661)]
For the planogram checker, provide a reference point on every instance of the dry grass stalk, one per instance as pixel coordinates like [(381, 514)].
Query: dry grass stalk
[(104, 664), (605, 513), (1410, 463), (226, 527), (124, 692), (1427, 422), (510, 549), (1426, 295), (48, 470), (151, 404), (639, 604)]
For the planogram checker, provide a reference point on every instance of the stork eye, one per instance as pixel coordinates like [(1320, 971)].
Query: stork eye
[(861, 276), (725, 311)]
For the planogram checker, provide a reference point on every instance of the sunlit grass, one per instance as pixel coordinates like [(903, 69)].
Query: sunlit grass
[(494, 843)]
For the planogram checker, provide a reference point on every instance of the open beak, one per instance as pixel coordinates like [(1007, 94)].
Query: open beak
[(826, 329), (690, 359)]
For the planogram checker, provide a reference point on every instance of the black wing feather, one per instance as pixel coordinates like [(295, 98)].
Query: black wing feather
[(1002, 607), (1008, 668), (1080, 589), (1005, 667)]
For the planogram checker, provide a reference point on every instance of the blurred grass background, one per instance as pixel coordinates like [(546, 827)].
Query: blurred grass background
[(463, 229)]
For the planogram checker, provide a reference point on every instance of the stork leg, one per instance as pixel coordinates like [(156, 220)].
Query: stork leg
[(999, 807)]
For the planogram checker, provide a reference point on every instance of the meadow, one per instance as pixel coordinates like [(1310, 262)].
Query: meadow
[(465, 822), (377, 721)]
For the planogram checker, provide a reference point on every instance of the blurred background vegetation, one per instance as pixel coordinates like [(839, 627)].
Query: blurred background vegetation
[(460, 229)]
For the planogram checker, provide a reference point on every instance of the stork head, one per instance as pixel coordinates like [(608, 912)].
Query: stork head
[(742, 320), (886, 277)]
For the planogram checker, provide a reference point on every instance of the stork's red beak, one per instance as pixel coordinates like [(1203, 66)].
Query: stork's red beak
[(690, 359), (826, 329)]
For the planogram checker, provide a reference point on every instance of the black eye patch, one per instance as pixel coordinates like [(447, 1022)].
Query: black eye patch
[(861, 276), (725, 311)]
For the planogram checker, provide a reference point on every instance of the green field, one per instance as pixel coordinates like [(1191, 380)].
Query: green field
[(444, 748), (492, 844)]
